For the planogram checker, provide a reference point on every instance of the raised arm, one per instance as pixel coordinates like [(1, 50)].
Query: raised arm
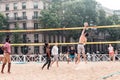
[(85, 26), (83, 31)]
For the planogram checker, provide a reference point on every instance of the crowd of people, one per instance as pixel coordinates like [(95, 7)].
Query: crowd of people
[(72, 53)]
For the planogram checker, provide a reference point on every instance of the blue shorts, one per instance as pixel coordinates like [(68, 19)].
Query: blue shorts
[(72, 56)]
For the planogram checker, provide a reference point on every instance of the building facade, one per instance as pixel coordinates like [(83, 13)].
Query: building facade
[(109, 12), (24, 14), (117, 12)]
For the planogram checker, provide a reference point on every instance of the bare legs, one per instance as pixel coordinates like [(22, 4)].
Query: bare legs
[(54, 62), (78, 58), (3, 66), (112, 57), (48, 61), (6, 59)]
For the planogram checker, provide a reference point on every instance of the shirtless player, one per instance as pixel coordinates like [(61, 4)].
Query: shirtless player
[(82, 41)]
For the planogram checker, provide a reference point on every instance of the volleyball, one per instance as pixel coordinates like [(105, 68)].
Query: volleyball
[(85, 24)]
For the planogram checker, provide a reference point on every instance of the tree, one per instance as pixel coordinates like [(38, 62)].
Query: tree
[(16, 38), (73, 13), (69, 14), (101, 17), (109, 20), (115, 18), (3, 26)]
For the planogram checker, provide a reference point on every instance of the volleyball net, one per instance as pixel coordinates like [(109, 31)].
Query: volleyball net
[(59, 29), (35, 55)]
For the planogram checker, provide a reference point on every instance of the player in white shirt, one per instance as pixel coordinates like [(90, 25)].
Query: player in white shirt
[(111, 52), (55, 54)]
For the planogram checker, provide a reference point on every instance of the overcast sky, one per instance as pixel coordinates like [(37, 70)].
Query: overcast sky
[(111, 4)]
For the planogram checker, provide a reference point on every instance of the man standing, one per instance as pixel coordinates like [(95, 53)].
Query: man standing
[(82, 41), (71, 54), (7, 52), (55, 54), (48, 56), (111, 52)]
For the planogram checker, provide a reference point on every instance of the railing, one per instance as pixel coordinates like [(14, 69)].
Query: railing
[(62, 57), (13, 19), (35, 17)]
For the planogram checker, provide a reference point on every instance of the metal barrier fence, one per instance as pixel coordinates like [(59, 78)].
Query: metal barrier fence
[(62, 57)]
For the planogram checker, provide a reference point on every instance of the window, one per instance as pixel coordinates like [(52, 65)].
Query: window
[(36, 49), (58, 38), (15, 16), (24, 38), (36, 36), (62, 38), (24, 5), (35, 25), (49, 39), (8, 26), (24, 26), (35, 14), (7, 7), (15, 24), (24, 15), (54, 39), (16, 50), (45, 5), (24, 49), (15, 6), (7, 15), (35, 5)]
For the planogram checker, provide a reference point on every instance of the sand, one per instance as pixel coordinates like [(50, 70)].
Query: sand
[(71, 71)]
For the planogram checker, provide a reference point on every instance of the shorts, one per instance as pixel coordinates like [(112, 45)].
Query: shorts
[(72, 56), (6, 58), (111, 53), (80, 49), (55, 57)]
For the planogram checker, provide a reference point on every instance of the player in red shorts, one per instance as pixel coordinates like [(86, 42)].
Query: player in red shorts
[(111, 52)]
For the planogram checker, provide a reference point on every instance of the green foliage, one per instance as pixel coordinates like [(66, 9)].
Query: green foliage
[(16, 36), (115, 19), (69, 14), (114, 34), (3, 22), (73, 13), (3, 26), (101, 17)]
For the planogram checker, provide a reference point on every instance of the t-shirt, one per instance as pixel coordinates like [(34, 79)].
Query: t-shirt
[(110, 49), (72, 52), (8, 46), (54, 50)]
